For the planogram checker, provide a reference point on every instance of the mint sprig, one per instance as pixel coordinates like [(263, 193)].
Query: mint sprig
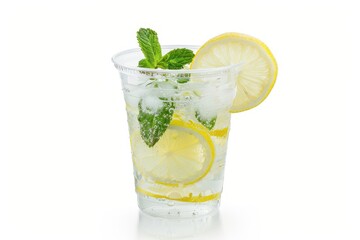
[(153, 124), (150, 46)]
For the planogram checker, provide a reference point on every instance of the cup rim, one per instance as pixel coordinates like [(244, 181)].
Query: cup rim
[(126, 68)]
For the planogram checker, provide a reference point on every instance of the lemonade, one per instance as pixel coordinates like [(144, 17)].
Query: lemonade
[(186, 165), (178, 106)]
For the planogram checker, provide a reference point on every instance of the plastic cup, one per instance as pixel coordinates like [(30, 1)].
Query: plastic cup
[(178, 126)]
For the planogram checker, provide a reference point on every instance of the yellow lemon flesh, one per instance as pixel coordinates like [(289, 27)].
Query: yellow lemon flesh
[(183, 155)]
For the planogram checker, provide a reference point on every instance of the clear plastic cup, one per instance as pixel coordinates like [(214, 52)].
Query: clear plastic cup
[(178, 125)]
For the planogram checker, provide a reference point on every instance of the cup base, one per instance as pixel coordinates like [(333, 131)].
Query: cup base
[(165, 208)]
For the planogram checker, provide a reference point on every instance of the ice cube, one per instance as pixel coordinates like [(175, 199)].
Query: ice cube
[(151, 103)]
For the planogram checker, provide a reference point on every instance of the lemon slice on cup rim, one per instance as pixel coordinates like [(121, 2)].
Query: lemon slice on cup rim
[(258, 67)]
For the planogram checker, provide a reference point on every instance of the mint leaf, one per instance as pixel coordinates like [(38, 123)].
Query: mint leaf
[(153, 125), (150, 46), (176, 59), (183, 80), (208, 123), (145, 64)]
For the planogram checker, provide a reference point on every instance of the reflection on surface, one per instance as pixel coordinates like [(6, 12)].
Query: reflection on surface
[(175, 228)]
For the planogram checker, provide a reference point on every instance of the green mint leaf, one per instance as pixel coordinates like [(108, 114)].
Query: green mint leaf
[(145, 64), (183, 80), (153, 125), (208, 123), (150, 46), (176, 59)]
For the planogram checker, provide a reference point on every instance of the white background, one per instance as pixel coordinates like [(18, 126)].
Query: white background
[(65, 166)]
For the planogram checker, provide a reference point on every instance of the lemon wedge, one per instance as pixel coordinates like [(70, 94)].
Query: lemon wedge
[(183, 155), (258, 67)]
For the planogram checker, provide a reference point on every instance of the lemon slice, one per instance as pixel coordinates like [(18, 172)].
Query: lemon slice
[(183, 155), (219, 132), (223, 132), (214, 133), (258, 71), (189, 198)]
